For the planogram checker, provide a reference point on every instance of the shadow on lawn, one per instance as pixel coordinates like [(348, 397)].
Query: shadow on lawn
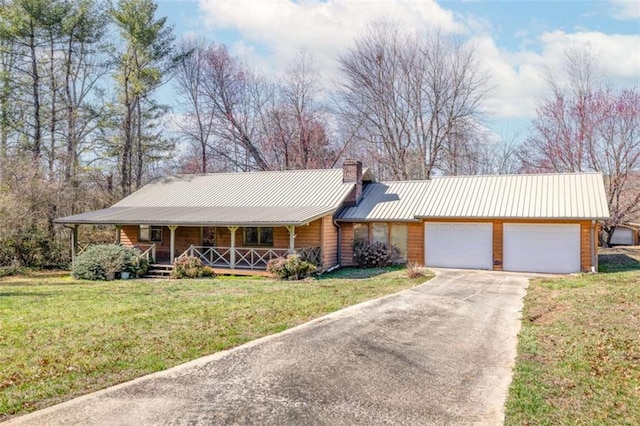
[(609, 263), (358, 273)]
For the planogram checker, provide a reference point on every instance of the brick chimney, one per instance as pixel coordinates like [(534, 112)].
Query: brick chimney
[(352, 172)]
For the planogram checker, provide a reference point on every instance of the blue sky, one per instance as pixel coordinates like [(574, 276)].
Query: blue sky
[(515, 39)]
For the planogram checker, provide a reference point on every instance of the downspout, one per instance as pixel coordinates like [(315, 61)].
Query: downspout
[(339, 251), (594, 261)]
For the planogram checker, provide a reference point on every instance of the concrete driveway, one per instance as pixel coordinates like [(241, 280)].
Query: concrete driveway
[(440, 353)]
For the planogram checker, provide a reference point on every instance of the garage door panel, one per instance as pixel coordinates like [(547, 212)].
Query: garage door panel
[(541, 248), (459, 245), (622, 236)]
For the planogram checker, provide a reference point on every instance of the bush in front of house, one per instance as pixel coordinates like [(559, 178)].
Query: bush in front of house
[(99, 261), (374, 255), (415, 270), (191, 267), (292, 267)]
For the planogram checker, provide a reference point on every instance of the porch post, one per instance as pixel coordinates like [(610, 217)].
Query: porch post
[(118, 229), (172, 243), (232, 255), (292, 238), (74, 242)]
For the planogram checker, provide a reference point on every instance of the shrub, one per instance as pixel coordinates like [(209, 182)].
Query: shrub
[(191, 267), (374, 255), (98, 261), (292, 267), (137, 267), (415, 270)]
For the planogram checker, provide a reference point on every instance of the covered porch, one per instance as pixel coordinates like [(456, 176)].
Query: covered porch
[(242, 250), (224, 238)]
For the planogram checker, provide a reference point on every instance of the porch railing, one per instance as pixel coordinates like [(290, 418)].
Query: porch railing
[(246, 257), (149, 253)]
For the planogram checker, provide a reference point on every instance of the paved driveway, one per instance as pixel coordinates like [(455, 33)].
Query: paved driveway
[(440, 353)]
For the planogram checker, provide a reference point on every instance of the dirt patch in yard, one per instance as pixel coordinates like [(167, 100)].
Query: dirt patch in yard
[(548, 315)]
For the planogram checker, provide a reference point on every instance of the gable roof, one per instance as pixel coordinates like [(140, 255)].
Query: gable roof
[(291, 197), (543, 196)]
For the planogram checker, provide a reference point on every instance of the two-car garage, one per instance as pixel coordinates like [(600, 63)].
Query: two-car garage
[(526, 247)]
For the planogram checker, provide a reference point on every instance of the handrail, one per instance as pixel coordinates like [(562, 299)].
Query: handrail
[(149, 254), (247, 257)]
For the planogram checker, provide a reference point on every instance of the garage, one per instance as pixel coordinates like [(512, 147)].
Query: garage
[(622, 237), (459, 245), (551, 248)]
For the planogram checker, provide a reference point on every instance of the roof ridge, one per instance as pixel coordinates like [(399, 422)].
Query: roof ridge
[(517, 174), (253, 172)]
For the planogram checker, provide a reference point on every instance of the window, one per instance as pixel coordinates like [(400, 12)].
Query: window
[(150, 234), (399, 239), (257, 236), (380, 233), (360, 233), (209, 236)]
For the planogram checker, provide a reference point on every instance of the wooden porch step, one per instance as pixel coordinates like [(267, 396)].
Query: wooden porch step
[(241, 272), (157, 270)]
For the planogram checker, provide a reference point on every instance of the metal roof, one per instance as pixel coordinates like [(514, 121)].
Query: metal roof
[(544, 196), (202, 216), (387, 201), (266, 198)]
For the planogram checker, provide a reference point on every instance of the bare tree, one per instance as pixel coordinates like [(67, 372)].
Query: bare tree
[(584, 126), (235, 97), (198, 124), (406, 94), (296, 135)]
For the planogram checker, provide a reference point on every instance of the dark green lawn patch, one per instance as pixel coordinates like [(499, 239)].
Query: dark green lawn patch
[(60, 337), (579, 351)]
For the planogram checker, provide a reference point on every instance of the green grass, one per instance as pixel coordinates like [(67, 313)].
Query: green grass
[(60, 337), (579, 351)]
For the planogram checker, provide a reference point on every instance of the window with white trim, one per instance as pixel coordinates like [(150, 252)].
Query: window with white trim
[(150, 234)]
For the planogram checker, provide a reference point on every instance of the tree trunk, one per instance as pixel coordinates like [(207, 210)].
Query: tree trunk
[(37, 134)]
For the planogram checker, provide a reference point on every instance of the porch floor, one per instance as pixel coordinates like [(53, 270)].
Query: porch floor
[(222, 269)]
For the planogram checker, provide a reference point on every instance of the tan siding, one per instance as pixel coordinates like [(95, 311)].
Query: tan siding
[(498, 245), (223, 236), (329, 243), (346, 244), (416, 243), (129, 236), (185, 237), (309, 235), (280, 237), (585, 245)]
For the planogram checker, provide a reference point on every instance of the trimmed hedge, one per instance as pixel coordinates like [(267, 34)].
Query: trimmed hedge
[(292, 267), (98, 261), (191, 267), (374, 255)]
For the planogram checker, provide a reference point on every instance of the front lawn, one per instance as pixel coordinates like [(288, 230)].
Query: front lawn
[(579, 350), (60, 337)]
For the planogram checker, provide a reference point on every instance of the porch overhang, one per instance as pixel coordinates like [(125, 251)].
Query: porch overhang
[(201, 216)]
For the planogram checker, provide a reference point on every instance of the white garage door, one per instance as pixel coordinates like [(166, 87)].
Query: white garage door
[(622, 236), (541, 248), (459, 245)]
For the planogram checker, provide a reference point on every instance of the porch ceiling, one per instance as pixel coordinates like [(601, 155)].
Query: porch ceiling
[(202, 216)]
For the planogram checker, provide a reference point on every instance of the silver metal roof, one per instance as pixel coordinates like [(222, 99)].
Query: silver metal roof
[(387, 201), (544, 196), (202, 216), (260, 198)]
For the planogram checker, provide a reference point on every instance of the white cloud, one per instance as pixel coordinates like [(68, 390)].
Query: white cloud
[(626, 9), (618, 55), (283, 27), (271, 32)]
